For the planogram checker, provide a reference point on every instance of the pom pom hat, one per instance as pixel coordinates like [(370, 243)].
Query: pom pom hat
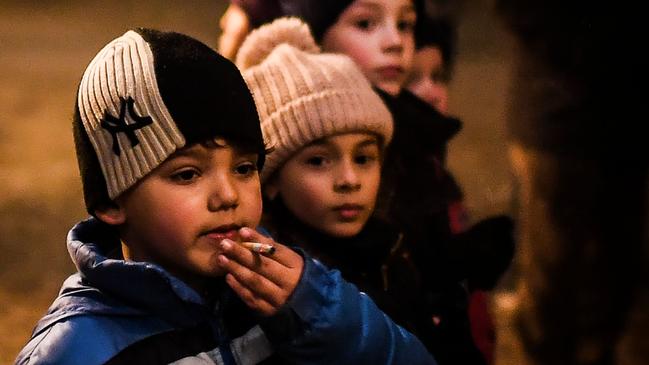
[(303, 95), (147, 94)]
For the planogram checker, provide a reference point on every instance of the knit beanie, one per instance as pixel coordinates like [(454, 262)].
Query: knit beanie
[(303, 95), (147, 94)]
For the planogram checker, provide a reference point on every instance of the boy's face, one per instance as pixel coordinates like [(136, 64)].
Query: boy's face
[(426, 79), (178, 214), (331, 184), (378, 35)]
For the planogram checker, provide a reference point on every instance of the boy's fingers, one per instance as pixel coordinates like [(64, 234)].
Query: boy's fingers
[(278, 273), (282, 254), (248, 297), (258, 283)]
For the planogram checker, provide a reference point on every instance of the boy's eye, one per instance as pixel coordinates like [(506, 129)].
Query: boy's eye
[(185, 176), (246, 168)]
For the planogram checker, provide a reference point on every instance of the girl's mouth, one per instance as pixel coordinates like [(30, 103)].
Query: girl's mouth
[(349, 212)]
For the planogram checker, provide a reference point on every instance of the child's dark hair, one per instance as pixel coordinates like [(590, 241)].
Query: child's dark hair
[(437, 26)]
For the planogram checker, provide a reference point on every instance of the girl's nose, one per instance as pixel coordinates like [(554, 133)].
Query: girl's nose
[(347, 179)]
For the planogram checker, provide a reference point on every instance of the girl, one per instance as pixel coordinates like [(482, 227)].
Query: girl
[(329, 130)]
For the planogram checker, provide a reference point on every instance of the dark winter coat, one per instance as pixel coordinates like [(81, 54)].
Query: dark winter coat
[(379, 262), (421, 197)]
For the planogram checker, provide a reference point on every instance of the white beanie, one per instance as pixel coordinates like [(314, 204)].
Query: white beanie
[(303, 95)]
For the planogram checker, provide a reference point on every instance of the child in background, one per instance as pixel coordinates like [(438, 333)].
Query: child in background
[(435, 42), (378, 35), (329, 130), (169, 148), (432, 65), (240, 17)]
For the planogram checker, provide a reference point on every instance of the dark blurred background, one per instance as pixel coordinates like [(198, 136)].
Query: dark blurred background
[(46, 45)]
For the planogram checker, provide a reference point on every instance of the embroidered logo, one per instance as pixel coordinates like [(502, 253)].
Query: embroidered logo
[(116, 125)]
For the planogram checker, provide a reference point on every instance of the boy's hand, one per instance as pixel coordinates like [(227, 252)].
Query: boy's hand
[(264, 282)]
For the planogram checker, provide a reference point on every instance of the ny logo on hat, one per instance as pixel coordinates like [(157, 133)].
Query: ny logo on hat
[(116, 125)]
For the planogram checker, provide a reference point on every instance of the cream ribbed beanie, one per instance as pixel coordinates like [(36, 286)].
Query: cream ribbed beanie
[(303, 95)]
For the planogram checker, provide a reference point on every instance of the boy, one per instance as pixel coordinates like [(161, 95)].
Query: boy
[(169, 148)]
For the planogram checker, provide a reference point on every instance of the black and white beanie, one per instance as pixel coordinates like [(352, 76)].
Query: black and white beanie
[(147, 94)]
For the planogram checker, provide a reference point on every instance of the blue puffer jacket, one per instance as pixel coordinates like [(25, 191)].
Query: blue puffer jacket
[(113, 311)]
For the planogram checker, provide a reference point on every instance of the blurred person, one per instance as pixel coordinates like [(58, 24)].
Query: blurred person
[(434, 59), (435, 51), (239, 18), (426, 79), (432, 69)]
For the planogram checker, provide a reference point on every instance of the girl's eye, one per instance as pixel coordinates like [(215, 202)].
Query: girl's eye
[(247, 168), (363, 24), (185, 176), (315, 161), (364, 159)]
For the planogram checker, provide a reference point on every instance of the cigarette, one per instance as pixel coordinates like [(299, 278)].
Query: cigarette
[(259, 247)]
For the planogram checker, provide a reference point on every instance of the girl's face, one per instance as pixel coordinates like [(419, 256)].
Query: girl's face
[(331, 184), (378, 35)]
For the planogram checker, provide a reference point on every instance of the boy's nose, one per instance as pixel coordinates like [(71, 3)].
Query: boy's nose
[(223, 196)]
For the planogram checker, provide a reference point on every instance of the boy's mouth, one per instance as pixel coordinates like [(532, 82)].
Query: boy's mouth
[(230, 231)]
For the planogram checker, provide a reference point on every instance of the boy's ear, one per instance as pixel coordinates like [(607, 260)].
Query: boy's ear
[(111, 214)]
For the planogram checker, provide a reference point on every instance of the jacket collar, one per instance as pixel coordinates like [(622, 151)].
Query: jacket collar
[(105, 280)]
